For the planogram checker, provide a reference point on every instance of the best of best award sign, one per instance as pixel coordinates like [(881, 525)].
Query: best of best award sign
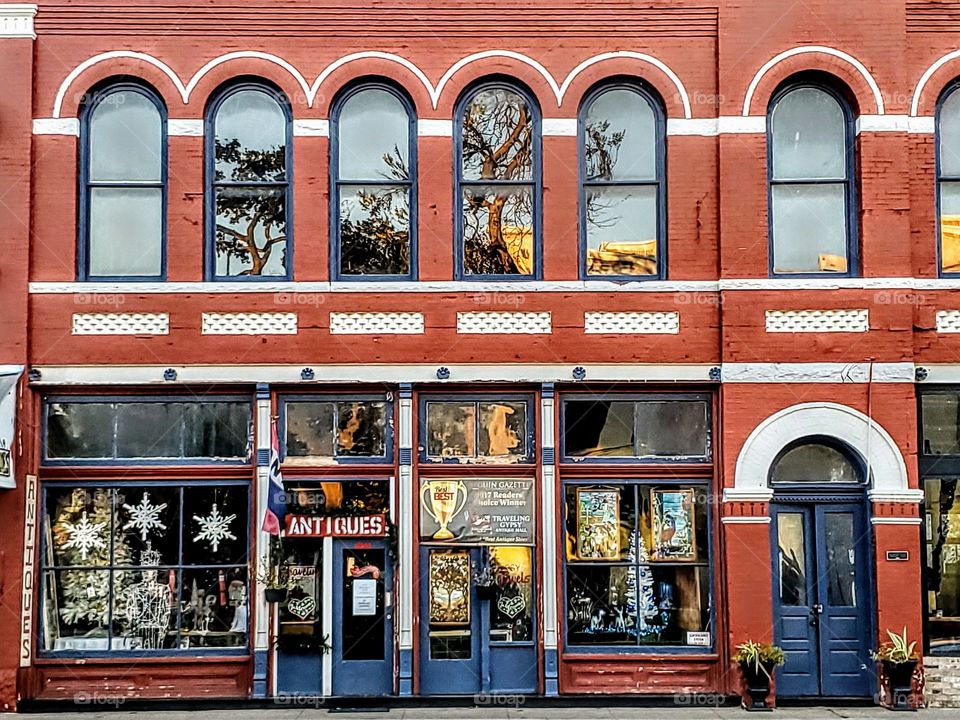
[(477, 512)]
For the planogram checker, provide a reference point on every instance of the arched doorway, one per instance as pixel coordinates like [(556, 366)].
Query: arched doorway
[(822, 560)]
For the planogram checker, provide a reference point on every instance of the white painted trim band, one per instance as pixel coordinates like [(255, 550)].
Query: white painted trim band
[(559, 127), (185, 127), (895, 521), (56, 126), (745, 520), (841, 373), (16, 21), (367, 373), (434, 127), (311, 128)]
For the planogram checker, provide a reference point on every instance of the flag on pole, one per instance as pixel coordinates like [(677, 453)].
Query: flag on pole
[(276, 509)]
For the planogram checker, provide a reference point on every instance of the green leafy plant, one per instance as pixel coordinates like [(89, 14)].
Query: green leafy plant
[(760, 656), (898, 650)]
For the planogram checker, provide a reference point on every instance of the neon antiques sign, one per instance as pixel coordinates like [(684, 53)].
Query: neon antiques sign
[(309, 526)]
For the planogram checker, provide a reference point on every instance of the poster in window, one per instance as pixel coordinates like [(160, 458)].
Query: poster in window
[(598, 524), (302, 597), (673, 525), (477, 511), (449, 578), (364, 597)]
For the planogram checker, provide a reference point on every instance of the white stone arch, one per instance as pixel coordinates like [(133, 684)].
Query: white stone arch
[(824, 50), (851, 427)]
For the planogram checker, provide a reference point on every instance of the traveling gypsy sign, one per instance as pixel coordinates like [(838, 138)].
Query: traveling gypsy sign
[(477, 512)]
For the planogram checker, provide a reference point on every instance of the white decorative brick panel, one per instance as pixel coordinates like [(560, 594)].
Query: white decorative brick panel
[(948, 321), (631, 323), (504, 323), (249, 324), (817, 321), (121, 324), (376, 323)]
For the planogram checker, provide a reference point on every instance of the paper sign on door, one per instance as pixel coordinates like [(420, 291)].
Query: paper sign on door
[(364, 596)]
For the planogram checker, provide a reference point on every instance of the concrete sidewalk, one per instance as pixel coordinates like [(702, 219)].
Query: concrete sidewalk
[(512, 713)]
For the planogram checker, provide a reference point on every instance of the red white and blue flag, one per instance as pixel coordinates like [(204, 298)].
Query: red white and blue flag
[(276, 509)]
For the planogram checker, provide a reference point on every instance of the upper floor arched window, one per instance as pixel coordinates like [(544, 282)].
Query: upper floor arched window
[(948, 179), (816, 460), (123, 184), (373, 169), (497, 172), (249, 163), (622, 193), (810, 169)]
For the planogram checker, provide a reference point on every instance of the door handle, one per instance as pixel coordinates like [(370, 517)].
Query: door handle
[(815, 612), (816, 609)]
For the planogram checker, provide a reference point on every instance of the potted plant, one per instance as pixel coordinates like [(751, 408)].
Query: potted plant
[(485, 582), (898, 660), (757, 662), (274, 580)]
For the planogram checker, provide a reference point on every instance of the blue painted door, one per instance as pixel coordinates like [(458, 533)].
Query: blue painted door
[(362, 642), (822, 615), (475, 641)]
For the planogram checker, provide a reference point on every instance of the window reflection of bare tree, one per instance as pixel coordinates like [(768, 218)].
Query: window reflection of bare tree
[(375, 226), (244, 209), (498, 217)]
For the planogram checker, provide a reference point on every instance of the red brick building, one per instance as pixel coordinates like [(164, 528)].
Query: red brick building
[(598, 337)]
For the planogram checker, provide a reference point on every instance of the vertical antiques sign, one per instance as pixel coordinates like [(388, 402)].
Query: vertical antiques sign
[(29, 577), (475, 511)]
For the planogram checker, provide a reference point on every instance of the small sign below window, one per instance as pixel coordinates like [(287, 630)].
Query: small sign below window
[(700, 639), (898, 555)]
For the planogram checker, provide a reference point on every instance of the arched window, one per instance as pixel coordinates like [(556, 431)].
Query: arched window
[(123, 184), (249, 160), (815, 461), (948, 179), (497, 171), (622, 198), (810, 170), (373, 166)]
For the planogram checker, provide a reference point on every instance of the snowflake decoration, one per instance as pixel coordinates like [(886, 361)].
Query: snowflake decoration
[(144, 516), (215, 527), (84, 536)]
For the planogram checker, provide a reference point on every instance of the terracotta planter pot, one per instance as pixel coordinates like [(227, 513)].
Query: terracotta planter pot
[(758, 686)]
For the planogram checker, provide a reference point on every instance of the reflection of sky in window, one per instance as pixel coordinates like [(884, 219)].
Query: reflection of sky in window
[(496, 113), (372, 123), (125, 140), (950, 136), (621, 214), (255, 119), (809, 136), (630, 113)]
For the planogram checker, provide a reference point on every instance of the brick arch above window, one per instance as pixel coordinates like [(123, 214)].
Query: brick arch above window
[(864, 90)]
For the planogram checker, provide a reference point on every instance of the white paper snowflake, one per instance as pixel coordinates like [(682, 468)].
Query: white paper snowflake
[(144, 516), (215, 527), (85, 536)]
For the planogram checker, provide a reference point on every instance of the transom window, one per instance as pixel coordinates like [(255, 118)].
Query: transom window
[(373, 166), (123, 179), (810, 169), (497, 171), (622, 159), (337, 429), (249, 191), (948, 180), (620, 428), (79, 430), (477, 429), (815, 462)]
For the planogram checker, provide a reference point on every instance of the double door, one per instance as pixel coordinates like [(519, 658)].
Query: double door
[(477, 629), (822, 601)]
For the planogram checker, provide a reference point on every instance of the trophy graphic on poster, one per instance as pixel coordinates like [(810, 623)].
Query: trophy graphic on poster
[(447, 498)]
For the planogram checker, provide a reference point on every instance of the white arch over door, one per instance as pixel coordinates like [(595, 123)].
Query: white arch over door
[(849, 426)]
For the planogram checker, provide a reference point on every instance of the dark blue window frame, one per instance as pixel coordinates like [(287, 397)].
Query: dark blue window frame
[(126, 462), (941, 178), (656, 104), (388, 433), (639, 648), (181, 484), (849, 182), (210, 184), (635, 398), (336, 183), (536, 185), (530, 455), (86, 185)]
